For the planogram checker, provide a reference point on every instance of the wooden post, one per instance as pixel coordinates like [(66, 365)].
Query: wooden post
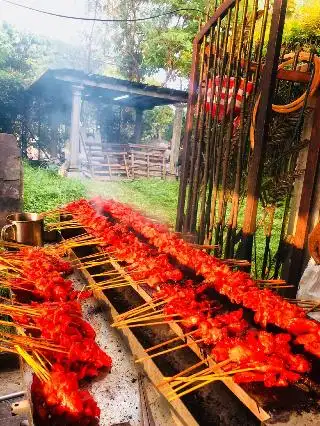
[(132, 164), (109, 166), (148, 165), (176, 137), (125, 164), (307, 195), (268, 83), (10, 176), (75, 127), (138, 126), (164, 167)]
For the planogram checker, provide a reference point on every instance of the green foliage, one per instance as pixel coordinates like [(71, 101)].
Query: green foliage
[(11, 94), (170, 49), (158, 122), (168, 41), (303, 24), (157, 198), (20, 59), (45, 189)]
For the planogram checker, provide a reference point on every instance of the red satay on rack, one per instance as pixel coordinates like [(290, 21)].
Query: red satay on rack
[(57, 318), (268, 307)]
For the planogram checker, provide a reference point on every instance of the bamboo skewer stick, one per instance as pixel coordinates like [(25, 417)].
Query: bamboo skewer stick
[(12, 324), (200, 385), (315, 307), (114, 280), (140, 316), (135, 320), (97, 287), (150, 324), (167, 342), (94, 264), (89, 256), (146, 306), (205, 377), (200, 373), (184, 345), (209, 380), (39, 370), (4, 349), (31, 342), (183, 372)]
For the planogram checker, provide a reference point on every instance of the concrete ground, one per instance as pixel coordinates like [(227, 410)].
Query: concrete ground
[(117, 393)]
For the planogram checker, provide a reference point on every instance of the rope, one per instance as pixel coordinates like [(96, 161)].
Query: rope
[(298, 103)]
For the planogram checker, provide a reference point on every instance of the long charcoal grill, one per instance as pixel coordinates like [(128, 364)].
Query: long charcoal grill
[(223, 402)]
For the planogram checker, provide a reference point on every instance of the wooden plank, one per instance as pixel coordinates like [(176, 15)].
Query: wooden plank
[(126, 165), (132, 165), (145, 153), (106, 173), (294, 75), (146, 146), (116, 153)]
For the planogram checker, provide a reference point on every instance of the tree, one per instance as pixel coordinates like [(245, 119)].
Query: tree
[(157, 123), (303, 24), (142, 48), (168, 41), (21, 58)]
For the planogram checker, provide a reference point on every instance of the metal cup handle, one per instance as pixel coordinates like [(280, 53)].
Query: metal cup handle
[(5, 229)]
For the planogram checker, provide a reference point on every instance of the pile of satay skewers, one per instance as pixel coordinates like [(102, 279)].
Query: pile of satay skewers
[(156, 258), (42, 322)]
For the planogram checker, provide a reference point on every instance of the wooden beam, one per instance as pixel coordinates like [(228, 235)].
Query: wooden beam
[(268, 84), (176, 136), (121, 88), (294, 75)]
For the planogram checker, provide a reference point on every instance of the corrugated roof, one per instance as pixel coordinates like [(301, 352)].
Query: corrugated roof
[(57, 83)]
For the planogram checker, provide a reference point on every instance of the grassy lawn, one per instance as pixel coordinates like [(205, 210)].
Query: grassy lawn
[(156, 197), (44, 190)]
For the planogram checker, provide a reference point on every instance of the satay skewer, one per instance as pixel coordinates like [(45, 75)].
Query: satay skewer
[(155, 302), (150, 324), (135, 320), (167, 342), (184, 345), (205, 377), (207, 380), (12, 324), (207, 370), (167, 380)]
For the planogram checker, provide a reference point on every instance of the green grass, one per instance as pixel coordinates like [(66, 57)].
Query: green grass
[(158, 198), (45, 189)]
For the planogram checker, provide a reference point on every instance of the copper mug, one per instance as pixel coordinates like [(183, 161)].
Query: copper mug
[(24, 228)]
